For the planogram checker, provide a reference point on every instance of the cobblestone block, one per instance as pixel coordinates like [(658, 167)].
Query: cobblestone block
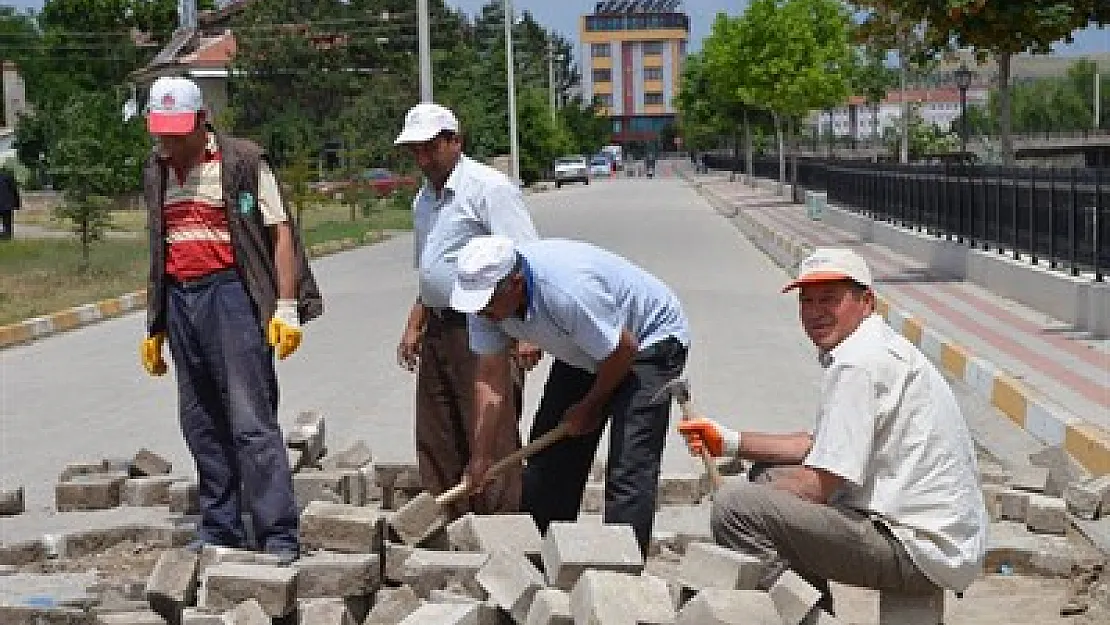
[(570, 548), (681, 489), (593, 498), (707, 565), (355, 456), (992, 494), (679, 526), (200, 616), (1048, 515), (147, 491), (392, 605), (715, 606), (215, 555), (443, 614), (316, 485), (994, 474), (146, 463), (899, 609), (325, 611), (307, 435), (274, 587), (172, 584), (511, 581), (130, 618), (488, 612), (184, 497), (1030, 479), (516, 533), (341, 527), (11, 502), (248, 612), (75, 469), (338, 575), (393, 567), (1010, 545), (1088, 499), (602, 597), (550, 606), (793, 597), (393, 477), (96, 491), (425, 570)]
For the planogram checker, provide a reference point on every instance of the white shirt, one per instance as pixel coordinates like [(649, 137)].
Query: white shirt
[(889, 424), (580, 298), (477, 200)]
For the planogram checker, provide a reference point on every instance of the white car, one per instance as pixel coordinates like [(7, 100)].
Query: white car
[(571, 169), (600, 167)]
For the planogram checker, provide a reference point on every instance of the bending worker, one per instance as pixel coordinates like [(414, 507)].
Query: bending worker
[(884, 493), (618, 334)]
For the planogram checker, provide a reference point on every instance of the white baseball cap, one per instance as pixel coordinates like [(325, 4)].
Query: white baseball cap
[(172, 106), (828, 264), (481, 264), (426, 120)]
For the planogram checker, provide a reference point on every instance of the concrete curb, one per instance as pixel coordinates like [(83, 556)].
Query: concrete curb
[(1087, 443), (78, 316)]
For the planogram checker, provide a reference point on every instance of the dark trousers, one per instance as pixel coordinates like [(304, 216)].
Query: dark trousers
[(444, 423), (228, 397), (7, 219), (555, 478)]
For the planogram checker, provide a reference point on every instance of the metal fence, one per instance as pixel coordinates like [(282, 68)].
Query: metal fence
[(1057, 217)]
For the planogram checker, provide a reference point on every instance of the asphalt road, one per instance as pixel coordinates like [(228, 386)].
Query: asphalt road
[(82, 396)]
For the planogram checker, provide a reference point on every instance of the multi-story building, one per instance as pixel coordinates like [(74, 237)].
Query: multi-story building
[(632, 54)]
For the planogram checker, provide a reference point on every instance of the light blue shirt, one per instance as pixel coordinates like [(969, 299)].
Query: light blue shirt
[(477, 200), (580, 298)]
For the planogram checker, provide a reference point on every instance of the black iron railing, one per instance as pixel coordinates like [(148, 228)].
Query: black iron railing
[(1052, 216)]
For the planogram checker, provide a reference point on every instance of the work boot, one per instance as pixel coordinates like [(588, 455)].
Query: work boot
[(1078, 598)]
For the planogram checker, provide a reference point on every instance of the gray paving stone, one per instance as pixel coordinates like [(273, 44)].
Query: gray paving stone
[(200, 616), (1090, 498), (513, 532), (394, 565), (443, 614), (593, 498), (96, 491), (511, 581), (417, 520), (185, 497), (707, 565), (678, 526), (1048, 515), (392, 605), (341, 527), (570, 548), (338, 575), (425, 570), (146, 463), (318, 485), (248, 612), (615, 598), (794, 597), (325, 611), (715, 606), (11, 502), (354, 456), (681, 489), (172, 585), (130, 618), (992, 494), (147, 491), (899, 609), (1029, 479), (274, 587), (307, 435), (1013, 505), (550, 606)]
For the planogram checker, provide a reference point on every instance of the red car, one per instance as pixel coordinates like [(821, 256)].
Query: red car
[(378, 179)]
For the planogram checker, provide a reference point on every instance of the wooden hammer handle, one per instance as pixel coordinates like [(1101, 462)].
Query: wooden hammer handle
[(556, 434), (706, 459)]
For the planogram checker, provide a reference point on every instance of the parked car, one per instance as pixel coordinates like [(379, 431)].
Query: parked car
[(379, 180), (600, 166), (571, 169)]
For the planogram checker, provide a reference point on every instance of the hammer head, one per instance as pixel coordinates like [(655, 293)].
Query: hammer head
[(677, 388)]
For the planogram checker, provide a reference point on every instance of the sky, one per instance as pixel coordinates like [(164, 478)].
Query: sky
[(562, 15)]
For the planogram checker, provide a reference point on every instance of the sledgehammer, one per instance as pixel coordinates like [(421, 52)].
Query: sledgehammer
[(417, 520), (679, 389)]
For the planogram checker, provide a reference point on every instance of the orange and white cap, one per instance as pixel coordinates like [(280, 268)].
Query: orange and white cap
[(830, 264), (172, 106)]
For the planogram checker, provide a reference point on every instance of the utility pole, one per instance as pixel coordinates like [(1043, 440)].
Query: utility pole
[(425, 45), (514, 145), (551, 76), (1098, 98)]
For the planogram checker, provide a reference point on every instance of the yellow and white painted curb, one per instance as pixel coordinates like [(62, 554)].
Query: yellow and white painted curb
[(1087, 443), (78, 316)]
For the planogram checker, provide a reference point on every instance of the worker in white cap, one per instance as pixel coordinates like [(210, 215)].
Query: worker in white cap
[(884, 493)]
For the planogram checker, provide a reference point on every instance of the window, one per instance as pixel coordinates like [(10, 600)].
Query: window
[(654, 48), (599, 50), (603, 75), (653, 73), (604, 99), (653, 98)]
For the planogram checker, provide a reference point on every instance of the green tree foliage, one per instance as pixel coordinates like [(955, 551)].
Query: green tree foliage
[(998, 28), (872, 78)]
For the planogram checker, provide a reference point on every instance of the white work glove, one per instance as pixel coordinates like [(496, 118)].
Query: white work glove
[(284, 331)]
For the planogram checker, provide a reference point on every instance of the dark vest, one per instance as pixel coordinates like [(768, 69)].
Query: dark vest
[(250, 238)]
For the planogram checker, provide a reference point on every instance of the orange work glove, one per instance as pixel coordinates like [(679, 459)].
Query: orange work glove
[(719, 440), (150, 352), (284, 330)]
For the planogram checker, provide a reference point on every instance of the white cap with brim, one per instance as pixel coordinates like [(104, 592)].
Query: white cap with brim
[(481, 264), (426, 120), (173, 105), (831, 264)]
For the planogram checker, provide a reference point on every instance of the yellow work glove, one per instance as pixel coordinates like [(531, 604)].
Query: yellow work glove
[(150, 352), (284, 330)]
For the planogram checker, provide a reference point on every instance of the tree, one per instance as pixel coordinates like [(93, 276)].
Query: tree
[(872, 79), (999, 28)]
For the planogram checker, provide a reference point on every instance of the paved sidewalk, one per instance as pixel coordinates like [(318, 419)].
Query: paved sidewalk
[(1052, 382)]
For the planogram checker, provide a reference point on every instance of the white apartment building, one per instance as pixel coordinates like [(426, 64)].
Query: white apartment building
[(938, 106)]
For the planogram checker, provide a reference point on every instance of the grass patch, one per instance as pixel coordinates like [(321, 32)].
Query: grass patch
[(41, 276)]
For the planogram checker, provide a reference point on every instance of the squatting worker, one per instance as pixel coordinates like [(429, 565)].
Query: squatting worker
[(460, 199), (618, 335), (229, 285), (884, 493)]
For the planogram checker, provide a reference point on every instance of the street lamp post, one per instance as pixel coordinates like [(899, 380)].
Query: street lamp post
[(514, 145), (425, 51), (963, 81)]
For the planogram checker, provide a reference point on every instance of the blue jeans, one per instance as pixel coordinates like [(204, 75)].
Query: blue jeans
[(228, 396)]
